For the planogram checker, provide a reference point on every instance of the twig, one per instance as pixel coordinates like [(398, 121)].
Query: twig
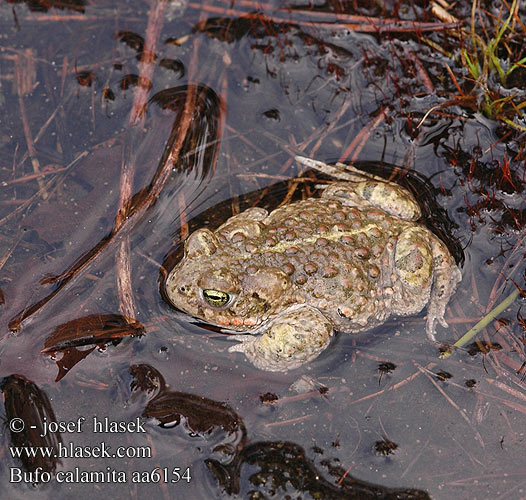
[(4, 259), (354, 149), (39, 193), (485, 321), (21, 64), (452, 403), (422, 73), (146, 68), (33, 176), (332, 21)]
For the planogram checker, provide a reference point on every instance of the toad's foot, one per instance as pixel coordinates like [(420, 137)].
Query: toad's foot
[(294, 338), (447, 277)]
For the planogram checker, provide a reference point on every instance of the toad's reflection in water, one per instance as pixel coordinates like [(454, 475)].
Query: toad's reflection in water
[(270, 469), (282, 467)]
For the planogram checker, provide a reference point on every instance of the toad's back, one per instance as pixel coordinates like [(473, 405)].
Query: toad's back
[(339, 259)]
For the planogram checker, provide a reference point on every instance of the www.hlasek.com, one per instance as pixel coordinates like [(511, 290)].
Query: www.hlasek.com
[(100, 450)]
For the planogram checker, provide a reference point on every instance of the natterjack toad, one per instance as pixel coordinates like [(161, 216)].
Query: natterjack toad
[(343, 262)]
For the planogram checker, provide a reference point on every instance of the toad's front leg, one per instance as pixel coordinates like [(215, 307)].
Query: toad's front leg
[(295, 337)]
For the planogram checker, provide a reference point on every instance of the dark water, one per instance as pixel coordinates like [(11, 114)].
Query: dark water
[(270, 84)]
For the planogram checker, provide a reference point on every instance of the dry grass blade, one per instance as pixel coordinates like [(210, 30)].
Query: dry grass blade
[(353, 150), (452, 403), (138, 111)]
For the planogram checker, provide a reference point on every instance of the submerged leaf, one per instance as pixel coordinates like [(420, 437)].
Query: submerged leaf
[(93, 329), (202, 415), (25, 403)]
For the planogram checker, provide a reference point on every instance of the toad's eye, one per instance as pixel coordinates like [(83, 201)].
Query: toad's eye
[(216, 298)]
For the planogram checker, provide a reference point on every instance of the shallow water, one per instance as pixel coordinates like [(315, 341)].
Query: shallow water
[(273, 89)]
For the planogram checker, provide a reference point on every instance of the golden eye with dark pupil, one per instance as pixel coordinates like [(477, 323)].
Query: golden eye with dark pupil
[(216, 298)]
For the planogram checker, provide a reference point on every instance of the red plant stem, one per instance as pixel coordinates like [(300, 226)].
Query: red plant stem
[(355, 147), (333, 21)]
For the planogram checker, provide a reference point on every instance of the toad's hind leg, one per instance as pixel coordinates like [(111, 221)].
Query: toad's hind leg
[(427, 275), (413, 266), (362, 189), (294, 338)]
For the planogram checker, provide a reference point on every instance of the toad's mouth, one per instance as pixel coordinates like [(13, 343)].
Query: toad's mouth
[(258, 324), (233, 322)]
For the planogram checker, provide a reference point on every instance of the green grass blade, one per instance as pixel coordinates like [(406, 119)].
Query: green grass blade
[(485, 321)]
